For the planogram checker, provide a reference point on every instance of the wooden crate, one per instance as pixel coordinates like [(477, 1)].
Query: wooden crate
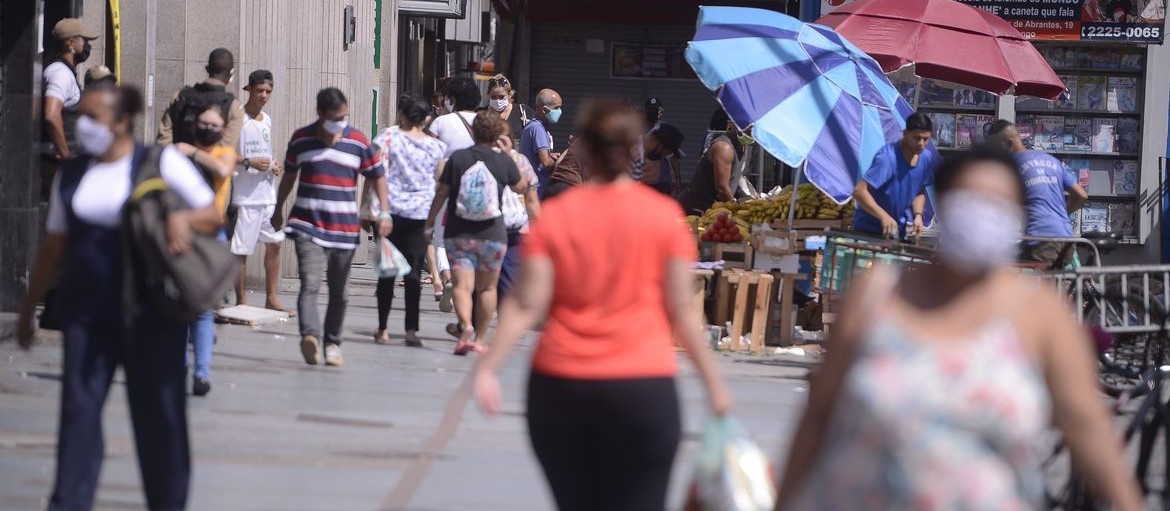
[(733, 255), (743, 281)]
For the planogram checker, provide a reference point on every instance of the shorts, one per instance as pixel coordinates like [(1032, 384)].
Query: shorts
[(1046, 253), (475, 254), (254, 223)]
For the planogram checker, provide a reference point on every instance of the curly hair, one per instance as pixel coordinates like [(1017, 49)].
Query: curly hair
[(488, 127), (464, 93)]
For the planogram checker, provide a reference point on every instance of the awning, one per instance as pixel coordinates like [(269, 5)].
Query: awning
[(663, 12), (433, 8)]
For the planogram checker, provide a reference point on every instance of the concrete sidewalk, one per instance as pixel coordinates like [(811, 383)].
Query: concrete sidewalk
[(394, 429)]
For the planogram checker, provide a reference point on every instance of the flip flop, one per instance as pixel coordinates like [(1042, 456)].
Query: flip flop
[(292, 313)]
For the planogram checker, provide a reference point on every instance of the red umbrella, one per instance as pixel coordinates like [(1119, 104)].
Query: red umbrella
[(947, 40)]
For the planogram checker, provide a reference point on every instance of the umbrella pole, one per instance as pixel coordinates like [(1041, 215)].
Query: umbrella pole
[(917, 92), (796, 172)]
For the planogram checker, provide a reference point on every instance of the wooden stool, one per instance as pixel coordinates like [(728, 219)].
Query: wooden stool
[(743, 281)]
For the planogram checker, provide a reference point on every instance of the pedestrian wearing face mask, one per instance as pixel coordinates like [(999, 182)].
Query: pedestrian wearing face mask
[(536, 143), (62, 93), (324, 160), (716, 176), (216, 163), (502, 99), (179, 117), (891, 196), (83, 243), (461, 97), (943, 382)]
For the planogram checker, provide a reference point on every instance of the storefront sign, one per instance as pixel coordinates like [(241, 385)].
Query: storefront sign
[(1126, 21), (650, 61)]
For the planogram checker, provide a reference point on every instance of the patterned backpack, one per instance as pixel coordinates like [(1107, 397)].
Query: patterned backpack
[(479, 194)]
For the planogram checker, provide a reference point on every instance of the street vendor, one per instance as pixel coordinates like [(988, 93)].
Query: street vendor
[(715, 178), (891, 196), (1046, 182)]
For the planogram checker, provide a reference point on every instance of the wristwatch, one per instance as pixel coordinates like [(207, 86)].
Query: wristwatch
[(247, 164)]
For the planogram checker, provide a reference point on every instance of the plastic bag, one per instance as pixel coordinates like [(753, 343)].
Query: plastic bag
[(390, 262), (731, 472)]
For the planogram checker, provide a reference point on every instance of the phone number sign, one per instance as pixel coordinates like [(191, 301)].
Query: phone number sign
[(1123, 21)]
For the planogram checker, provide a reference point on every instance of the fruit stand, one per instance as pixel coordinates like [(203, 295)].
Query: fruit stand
[(747, 240)]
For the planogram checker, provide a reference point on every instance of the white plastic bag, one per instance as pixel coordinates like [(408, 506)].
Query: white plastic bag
[(731, 472), (390, 262)]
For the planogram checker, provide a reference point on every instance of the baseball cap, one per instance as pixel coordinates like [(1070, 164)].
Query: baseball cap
[(97, 73), (670, 137), (653, 103), (257, 77), (72, 27)]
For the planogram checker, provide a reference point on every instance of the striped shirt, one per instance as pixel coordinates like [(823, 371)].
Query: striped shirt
[(326, 208)]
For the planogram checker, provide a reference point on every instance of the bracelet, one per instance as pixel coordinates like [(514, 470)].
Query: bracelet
[(384, 216), (917, 215)]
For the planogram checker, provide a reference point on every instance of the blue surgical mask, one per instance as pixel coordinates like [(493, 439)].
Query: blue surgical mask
[(553, 115)]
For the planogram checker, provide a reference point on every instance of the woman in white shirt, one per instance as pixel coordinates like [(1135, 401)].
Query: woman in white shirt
[(412, 160), (84, 245)]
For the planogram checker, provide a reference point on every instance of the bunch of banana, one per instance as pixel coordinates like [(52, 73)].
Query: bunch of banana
[(758, 211)]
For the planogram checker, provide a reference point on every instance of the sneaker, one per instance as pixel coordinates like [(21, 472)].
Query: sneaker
[(333, 356), (446, 302), (310, 347), (200, 386)]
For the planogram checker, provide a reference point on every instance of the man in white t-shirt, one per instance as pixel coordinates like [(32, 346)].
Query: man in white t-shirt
[(62, 93), (254, 192), (461, 98)]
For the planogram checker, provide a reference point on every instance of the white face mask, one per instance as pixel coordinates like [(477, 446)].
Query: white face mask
[(449, 105), (980, 233), (335, 127), (95, 138), (499, 105)]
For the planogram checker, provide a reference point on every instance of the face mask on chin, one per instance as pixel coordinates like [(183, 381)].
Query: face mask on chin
[(980, 233)]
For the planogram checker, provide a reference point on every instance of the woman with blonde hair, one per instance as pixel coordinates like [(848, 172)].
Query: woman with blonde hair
[(502, 100)]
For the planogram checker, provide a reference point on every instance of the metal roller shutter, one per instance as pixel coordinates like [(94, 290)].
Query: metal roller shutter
[(560, 60)]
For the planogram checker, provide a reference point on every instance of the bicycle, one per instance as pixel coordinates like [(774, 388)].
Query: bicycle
[(1148, 400)]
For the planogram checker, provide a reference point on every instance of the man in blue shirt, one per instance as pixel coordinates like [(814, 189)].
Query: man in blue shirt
[(536, 143), (1045, 182), (891, 196)]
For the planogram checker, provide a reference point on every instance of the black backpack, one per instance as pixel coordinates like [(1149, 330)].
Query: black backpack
[(179, 287), (191, 100)]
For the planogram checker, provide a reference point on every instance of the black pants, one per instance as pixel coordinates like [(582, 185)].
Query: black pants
[(555, 188), (155, 371), (408, 237), (605, 444)]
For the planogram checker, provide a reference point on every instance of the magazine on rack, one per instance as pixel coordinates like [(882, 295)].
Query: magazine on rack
[(1095, 217), (1132, 61), (1104, 135), (1121, 218), (1068, 100), (1091, 93), (1080, 170), (1124, 178), (1078, 134), (1049, 132), (1026, 126), (1122, 94), (944, 129), (1106, 59), (1128, 135)]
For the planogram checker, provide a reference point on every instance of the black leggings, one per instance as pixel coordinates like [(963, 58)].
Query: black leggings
[(605, 444), (408, 237)]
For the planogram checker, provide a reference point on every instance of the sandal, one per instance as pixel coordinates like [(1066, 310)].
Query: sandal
[(454, 330), (467, 343)]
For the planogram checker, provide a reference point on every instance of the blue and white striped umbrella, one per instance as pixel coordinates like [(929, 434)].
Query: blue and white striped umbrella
[(809, 95)]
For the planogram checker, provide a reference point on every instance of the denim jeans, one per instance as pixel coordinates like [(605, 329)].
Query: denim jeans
[(201, 336), (312, 261)]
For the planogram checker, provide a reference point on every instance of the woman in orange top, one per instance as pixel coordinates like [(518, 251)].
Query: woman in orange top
[(603, 412), (217, 163)]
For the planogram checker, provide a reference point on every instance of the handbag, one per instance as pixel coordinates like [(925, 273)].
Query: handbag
[(179, 287)]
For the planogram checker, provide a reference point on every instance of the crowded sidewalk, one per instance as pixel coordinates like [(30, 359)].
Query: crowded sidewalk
[(394, 430)]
